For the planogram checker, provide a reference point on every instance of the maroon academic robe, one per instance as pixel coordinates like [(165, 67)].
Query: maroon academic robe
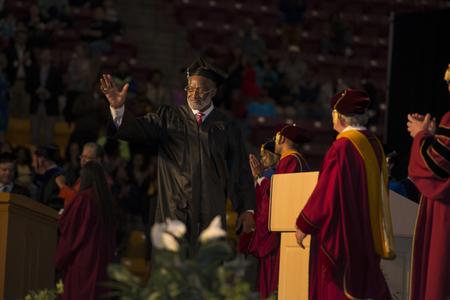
[(85, 249), (265, 245), (342, 256), (429, 169)]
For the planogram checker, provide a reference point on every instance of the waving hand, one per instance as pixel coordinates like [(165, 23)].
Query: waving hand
[(116, 97)]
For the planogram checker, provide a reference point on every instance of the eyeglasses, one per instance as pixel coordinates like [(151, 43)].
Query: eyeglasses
[(192, 90)]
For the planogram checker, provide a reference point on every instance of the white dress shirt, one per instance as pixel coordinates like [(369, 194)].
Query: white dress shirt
[(359, 128), (117, 113), (6, 188)]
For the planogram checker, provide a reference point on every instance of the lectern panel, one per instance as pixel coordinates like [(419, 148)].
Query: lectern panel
[(289, 194), (294, 262)]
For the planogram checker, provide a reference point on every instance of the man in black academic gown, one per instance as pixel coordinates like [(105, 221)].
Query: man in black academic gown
[(201, 154)]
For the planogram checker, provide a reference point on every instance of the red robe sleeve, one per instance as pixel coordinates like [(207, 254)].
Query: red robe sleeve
[(429, 164), (68, 193), (320, 205), (75, 225)]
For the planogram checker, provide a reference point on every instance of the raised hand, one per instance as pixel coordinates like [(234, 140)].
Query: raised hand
[(116, 97)]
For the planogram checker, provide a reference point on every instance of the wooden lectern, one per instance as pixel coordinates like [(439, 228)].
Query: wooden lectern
[(289, 194), (28, 232)]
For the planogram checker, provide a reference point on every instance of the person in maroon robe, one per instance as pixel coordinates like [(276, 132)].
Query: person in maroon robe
[(269, 161), (265, 245), (346, 213), (86, 244), (429, 169)]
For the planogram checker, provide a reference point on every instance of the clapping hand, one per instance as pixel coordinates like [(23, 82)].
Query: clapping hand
[(255, 165), (116, 97), (417, 123)]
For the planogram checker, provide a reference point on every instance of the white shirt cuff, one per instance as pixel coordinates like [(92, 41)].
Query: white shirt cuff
[(117, 114), (260, 179)]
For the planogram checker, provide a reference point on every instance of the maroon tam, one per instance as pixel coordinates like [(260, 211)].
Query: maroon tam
[(350, 101), (294, 133)]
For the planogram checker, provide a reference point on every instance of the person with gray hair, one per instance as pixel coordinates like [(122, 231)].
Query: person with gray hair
[(91, 152), (347, 214)]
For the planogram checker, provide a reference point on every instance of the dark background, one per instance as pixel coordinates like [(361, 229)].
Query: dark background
[(420, 54)]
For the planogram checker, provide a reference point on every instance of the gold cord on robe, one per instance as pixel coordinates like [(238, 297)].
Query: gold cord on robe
[(378, 195)]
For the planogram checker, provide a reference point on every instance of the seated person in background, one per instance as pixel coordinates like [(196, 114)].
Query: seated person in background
[(45, 166), (24, 173), (91, 152), (7, 171), (265, 245)]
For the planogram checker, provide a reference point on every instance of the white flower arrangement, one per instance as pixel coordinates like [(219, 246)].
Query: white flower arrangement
[(213, 231), (47, 294), (211, 273)]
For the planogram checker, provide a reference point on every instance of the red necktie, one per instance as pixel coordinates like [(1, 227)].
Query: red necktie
[(199, 117)]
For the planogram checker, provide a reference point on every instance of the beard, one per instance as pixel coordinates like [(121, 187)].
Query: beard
[(199, 104)]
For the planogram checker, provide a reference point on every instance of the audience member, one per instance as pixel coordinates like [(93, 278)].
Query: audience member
[(79, 78), (123, 76), (98, 33), (72, 163), (45, 160), (293, 67), (19, 57), (156, 91), (68, 190), (7, 172), (88, 113), (4, 96), (249, 40), (7, 25), (24, 170), (44, 83)]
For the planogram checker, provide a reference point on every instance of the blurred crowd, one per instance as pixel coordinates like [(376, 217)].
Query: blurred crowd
[(46, 80), (45, 84)]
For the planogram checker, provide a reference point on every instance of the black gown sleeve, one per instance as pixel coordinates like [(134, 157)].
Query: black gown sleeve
[(148, 128), (242, 190)]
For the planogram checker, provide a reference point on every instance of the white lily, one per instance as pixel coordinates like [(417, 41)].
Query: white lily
[(175, 227), (156, 235), (213, 231), (161, 239), (170, 242)]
